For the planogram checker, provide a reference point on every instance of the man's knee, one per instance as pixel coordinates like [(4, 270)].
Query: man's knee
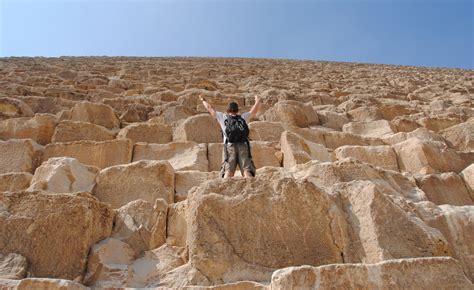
[(228, 174)]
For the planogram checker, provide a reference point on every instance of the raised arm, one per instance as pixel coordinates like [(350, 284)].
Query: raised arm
[(255, 108), (208, 106)]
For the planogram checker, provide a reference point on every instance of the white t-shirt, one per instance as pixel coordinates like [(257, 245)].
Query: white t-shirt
[(221, 117)]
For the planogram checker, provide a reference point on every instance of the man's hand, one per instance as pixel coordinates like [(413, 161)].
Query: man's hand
[(207, 106), (256, 107), (201, 98), (257, 99)]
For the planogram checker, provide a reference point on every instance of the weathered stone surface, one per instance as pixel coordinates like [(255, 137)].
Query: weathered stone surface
[(419, 156), (438, 123), (96, 113), (176, 113), (185, 180), (264, 154), (335, 140), (265, 131), (456, 223), (15, 181), (420, 133), (215, 156), (332, 120), (383, 156), (229, 240), (12, 266), (176, 228), (365, 113), (296, 150), (418, 273), (141, 224), (39, 128), (41, 283), (19, 155), (147, 132), (445, 188), (13, 108), (69, 131), (292, 113), (460, 137), (145, 179), (107, 264), (181, 155), (64, 174), (99, 154), (53, 231), (200, 128), (377, 128), (468, 176)]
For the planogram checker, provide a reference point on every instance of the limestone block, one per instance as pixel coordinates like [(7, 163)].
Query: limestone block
[(12, 266), (181, 155), (468, 176), (19, 155), (445, 188), (296, 150), (69, 131), (42, 283), (461, 136), (39, 128), (99, 154), (96, 113), (13, 108), (147, 132), (176, 228), (438, 123), (215, 155), (292, 113), (145, 179), (15, 181), (420, 133), (265, 131), (383, 156), (53, 231), (201, 128), (376, 129), (185, 180), (62, 175), (332, 120)]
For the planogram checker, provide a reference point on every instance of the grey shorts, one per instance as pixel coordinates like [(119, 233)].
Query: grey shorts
[(238, 155)]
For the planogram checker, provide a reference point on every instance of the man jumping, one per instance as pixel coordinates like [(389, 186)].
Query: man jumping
[(236, 142)]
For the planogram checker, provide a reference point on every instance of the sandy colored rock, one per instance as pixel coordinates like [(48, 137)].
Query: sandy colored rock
[(147, 132), (364, 113), (265, 131), (176, 113), (62, 175), (42, 283), (99, 154), (468, 176), (332, 120), (264, 154), (141, 225), (19, 155), (296, 150), (438, 123), (99, 114), (417, 273), (376, 129), (404, 124), (456, 223), (69, 131), (145, 179), (335, 140), (383, 156), (292, 113), (419, 156), (13, 108), (15, 181), (200, 128), (12, 266), (107, 264), (461, 136), (176, 228), (185, 180), (445, 188), (420, 133), (181, 155), (34, 226), (39, 128), (230, 240), (215, 156)]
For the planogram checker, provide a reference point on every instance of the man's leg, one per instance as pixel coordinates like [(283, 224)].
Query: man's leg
[(231, 164), (245, 162)]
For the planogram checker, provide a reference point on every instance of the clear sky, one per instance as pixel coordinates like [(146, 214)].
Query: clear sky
[(437, 33)]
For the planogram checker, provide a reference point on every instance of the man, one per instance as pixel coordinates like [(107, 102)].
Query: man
[(235, 132)]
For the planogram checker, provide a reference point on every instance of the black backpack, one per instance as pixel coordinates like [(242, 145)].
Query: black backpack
[(236, 129)]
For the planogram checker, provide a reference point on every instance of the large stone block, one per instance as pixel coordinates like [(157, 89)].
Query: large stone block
[(383, 156), (200, 128), (419, 156), (53, 231), (19, 155), (461, 136), (145, 179), (332, 119), (99, 154), (468, 176), (15, 181), (215, 156), (445, 188), (420, 133), (335, 140), (418, 273), (64, 174), (147, 133), (185, 180), (96, 113), (297, 150), (39, 128), (69, 131), (292, 113), (41, 283), (13, 108), (181, 155), (12, 266), (265, 131), (230, 238), (376, 129)]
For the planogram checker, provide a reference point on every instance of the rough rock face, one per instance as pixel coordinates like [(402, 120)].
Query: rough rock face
[(364, 175), (34, 225), (64, 174), (146, 179)]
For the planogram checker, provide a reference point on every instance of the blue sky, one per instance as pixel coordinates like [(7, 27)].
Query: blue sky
[(437, 33)]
